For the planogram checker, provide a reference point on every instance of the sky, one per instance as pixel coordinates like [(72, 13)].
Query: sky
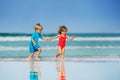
[(79, 16)]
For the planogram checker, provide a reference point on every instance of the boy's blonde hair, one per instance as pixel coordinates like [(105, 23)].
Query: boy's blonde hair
[(38, 26), (62, 28)]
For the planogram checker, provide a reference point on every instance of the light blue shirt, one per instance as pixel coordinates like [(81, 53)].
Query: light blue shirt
[(36, 36)]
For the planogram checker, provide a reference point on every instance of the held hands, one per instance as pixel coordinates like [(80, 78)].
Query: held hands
[(48, 39)]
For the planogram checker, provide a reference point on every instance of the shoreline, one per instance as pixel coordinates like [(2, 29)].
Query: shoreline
[(68, 59)]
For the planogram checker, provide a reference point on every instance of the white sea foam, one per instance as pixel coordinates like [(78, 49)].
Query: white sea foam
[(97, 39), (14, 38), (76, 39), (10, 48)]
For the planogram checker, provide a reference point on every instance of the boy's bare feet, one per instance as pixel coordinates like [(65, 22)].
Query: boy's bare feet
[(28, 59), (37, 58)]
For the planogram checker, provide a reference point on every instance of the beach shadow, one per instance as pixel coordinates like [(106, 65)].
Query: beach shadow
[(35, 73), (61, 70)]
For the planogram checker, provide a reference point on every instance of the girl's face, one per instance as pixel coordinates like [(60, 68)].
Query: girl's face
[(63, 32)]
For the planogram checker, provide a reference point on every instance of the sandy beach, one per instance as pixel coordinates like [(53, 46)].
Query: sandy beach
[(85, 32), (84, 69)]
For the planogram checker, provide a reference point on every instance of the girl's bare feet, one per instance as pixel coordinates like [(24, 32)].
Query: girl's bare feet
[(55, 58), (62, 59)]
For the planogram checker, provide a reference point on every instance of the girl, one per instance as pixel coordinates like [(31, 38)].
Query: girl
[(62, 41)]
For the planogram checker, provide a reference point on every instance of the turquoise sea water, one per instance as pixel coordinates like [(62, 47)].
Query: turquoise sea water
[(16, 45), (88, 57)]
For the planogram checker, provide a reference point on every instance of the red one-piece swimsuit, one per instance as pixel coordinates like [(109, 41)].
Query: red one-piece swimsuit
[(62, 41)]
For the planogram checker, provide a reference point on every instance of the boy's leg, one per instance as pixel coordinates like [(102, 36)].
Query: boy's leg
[(31, 48), (38, 53), (63, 51), (31, 55), (59, 53)]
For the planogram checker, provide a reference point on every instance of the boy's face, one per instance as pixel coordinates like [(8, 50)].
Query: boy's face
[(39, 30)]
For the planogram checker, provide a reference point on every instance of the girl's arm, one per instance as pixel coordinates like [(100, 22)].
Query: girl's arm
[(55, 37), (71, 38)]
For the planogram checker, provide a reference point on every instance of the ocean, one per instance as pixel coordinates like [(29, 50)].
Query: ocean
[(90, 56), (16, 45)]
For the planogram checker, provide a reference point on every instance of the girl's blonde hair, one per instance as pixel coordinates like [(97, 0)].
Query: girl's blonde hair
[(38, 26), (62, 29)]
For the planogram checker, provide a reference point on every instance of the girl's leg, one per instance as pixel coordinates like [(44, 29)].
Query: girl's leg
[(63, 51), (31, 55), (59, 53), (38, 53)]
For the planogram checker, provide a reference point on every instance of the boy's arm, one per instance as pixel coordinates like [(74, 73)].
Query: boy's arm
[(45, 39), (71, 38), (34, 43)]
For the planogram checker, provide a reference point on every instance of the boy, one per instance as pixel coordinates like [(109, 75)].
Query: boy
[(34, 46)]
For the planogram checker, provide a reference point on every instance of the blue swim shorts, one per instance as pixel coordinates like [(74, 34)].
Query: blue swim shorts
[(33, 48)]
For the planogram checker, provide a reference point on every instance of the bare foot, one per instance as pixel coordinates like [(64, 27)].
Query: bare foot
[(62, 59), (29, 59), (55, 58), (37, 58)]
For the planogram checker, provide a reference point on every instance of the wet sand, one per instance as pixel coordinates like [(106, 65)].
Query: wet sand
[(59, 70)]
